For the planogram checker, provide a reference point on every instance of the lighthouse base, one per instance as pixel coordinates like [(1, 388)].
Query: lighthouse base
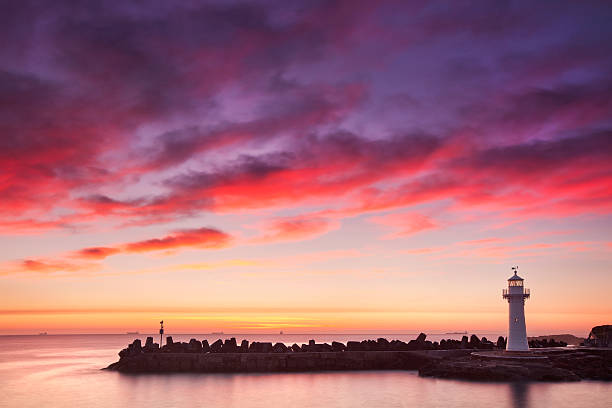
[(517, 352)]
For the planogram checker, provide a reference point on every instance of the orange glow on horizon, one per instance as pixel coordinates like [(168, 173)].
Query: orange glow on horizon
[(91, 321)]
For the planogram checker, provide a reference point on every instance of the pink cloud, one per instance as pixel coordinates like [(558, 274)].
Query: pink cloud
[(48, 266), (208, 238), (96, 252), (201, 238), (295, 229), (405, 224)]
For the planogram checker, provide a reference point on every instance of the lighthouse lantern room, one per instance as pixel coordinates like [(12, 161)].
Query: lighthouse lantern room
[(516, 295)]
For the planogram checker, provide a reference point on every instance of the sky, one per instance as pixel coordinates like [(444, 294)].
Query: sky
[(311, 167)]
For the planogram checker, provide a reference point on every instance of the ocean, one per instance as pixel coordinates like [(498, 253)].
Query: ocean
[(65, 371)]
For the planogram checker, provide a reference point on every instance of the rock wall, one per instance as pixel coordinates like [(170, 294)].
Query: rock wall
[(280, 362), (229, 356), (382, 344)]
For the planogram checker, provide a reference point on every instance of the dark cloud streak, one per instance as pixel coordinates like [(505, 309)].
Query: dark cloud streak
[(96, 98)]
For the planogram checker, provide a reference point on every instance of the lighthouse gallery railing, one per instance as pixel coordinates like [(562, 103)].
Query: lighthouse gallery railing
[(525, 293)]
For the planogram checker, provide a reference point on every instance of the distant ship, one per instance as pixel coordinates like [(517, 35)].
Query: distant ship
[(463, 332), (42, 333), (216, 333), (281, 332), (132, 332)]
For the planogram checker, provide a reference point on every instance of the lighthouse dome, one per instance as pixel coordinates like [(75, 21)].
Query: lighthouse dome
[(515, 277)]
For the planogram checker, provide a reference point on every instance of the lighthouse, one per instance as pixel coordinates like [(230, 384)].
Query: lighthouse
[(516, 295)]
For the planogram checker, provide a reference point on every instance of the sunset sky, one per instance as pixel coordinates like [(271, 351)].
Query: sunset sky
[(320, 166)]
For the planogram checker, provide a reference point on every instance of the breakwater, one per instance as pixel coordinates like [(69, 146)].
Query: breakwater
[(229, 356), (381, 344), (470, 358), (280, 362)]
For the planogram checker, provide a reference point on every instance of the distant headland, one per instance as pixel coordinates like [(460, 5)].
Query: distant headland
[(470, 358)]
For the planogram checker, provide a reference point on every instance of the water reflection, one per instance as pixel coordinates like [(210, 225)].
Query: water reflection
[(58, 371), (519, 394)]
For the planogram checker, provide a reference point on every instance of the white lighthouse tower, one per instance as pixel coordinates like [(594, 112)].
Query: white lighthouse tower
[(516, 295)]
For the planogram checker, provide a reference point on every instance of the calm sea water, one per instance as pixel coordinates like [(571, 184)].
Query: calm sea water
[(64, 371)]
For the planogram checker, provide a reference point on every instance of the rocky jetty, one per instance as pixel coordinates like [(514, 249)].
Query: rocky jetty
[(277, 361), (229, 356), (446, 359), (381, 344), (570, 365)]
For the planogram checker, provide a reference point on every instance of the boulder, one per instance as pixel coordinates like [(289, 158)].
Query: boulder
[(311, 346), (474, 341), (600, 336), (449, 344), (414, 345), (322, 348), (501, 343), (132, 349), (216, 346), (383, 344), (540, 343), (150, 347), (398, 345), (257, 347), (419, 343), (230, 346), (194, 346), (244, 346), (169, 341), (279, 348), (295, 348), (486, 344), (179, 347), (336, 346)]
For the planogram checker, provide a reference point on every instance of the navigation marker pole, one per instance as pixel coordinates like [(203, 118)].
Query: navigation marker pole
[(161, 333)]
